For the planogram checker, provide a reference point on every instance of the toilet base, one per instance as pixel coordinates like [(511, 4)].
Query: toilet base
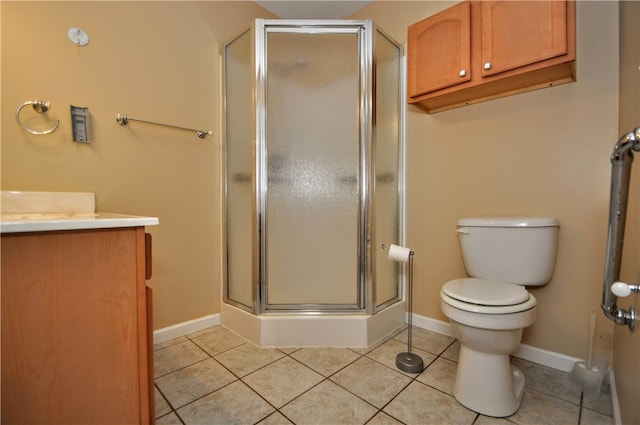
[(487, 383)]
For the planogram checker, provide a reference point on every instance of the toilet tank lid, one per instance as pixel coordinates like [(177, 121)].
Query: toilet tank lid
[(508, 222)]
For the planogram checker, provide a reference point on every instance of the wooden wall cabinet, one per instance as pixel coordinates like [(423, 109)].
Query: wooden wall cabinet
[(76, 327), (481, 50)]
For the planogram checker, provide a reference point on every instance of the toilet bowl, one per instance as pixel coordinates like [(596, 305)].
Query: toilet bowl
[(488, 312)]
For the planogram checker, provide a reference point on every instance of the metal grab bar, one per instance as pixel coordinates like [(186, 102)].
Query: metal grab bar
[(124, 120), (621, 160), (40, 107)]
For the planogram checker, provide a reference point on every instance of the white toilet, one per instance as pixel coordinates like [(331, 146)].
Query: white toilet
[(489, 310)]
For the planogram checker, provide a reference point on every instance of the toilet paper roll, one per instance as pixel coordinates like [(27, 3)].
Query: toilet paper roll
[(399, 253)]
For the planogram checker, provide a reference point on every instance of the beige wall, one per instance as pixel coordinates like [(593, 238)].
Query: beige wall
[(626, 356), (541, 153), (151, 60)]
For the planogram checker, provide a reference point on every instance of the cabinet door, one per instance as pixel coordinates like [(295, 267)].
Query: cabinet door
[(439, 49), (519, 33), (73, 309)]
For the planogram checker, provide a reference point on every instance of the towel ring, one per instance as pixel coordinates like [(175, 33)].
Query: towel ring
[(38, 106)]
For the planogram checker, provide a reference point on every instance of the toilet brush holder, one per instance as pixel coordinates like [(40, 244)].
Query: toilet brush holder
[(407, 361), (589, 377), (589, 374)]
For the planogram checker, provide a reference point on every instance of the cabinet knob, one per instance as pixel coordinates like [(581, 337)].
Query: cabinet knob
[(487, 65), (463, 73)]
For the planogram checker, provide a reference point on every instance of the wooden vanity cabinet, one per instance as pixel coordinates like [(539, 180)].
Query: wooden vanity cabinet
[(480, 50), (76, 327)]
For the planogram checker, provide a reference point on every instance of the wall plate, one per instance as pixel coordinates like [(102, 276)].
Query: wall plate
[(78, 36)]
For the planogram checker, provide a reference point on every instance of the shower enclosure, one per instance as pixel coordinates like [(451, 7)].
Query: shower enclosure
[(313, 182)]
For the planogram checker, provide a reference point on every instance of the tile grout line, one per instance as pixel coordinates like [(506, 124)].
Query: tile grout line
[(365, 353), (285, 354), (415, 379), (210, 356)]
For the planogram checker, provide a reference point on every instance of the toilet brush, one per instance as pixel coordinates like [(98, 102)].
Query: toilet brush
[(406, 361), (589, 375)]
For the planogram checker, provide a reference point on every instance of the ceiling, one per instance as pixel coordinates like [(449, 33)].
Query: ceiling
[(312, 9)]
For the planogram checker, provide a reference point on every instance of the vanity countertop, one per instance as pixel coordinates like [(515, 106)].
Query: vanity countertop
[(49, 211), (43, 222)]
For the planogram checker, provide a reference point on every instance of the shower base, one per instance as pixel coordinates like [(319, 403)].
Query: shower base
[(305, 330)]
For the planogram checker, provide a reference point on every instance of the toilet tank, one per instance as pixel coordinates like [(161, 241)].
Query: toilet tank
[(519, 250)]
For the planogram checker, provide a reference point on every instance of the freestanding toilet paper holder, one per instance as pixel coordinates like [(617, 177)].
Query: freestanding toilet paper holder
[(408, 361)]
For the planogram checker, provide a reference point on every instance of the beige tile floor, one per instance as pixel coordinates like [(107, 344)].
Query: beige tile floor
[(217, 377)]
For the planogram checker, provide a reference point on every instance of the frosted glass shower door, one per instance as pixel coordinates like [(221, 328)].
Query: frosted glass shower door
[(312, 154), (239, 167), (387, 158)]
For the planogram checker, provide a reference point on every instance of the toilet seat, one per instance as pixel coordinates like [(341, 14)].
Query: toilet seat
[(485, 292), (486, 296)]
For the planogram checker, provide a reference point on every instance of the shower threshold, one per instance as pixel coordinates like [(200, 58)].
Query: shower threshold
[(356, 331)]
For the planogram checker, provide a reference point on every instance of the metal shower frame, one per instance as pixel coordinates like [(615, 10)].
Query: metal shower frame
[(366, 263)]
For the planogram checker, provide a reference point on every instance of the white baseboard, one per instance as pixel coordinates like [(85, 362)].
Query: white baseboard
[(434, 325), (184, 328), (615, 403), (527, 352), (546, 358)]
